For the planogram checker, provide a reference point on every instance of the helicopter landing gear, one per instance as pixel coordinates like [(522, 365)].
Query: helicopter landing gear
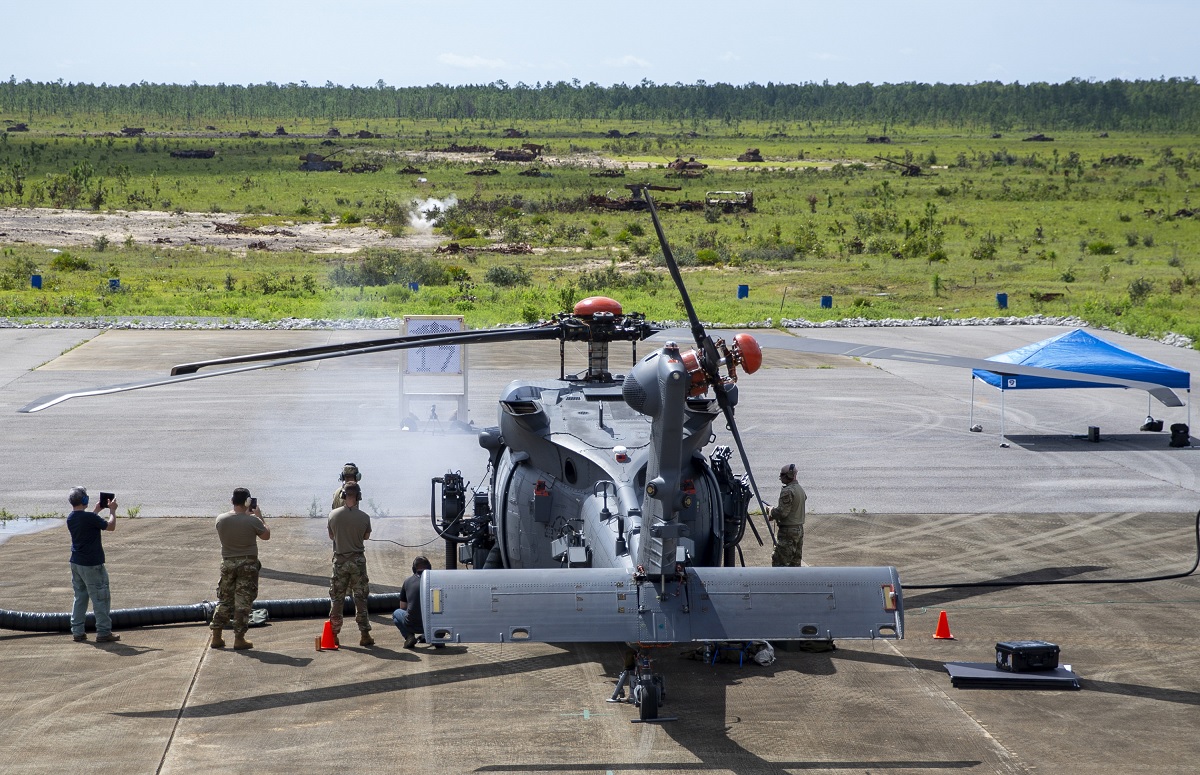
[(646, 689)]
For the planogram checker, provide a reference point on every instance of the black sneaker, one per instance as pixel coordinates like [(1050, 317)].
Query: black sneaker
[(112, 637), (79, 638), (410, 642)]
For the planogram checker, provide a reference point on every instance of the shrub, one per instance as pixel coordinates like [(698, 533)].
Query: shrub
[(882, 246), (508, 276), (1101, 248), (17, 273), (65, 262), (987, 248), (386, 267), (1139, 290)]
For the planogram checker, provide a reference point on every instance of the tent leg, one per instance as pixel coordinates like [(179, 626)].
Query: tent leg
[(1003, 443)]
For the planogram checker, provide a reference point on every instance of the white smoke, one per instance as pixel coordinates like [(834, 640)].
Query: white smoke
[(426, 211)]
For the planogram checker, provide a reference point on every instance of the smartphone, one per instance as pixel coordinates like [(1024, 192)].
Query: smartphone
[(105, 497), (253, 504)]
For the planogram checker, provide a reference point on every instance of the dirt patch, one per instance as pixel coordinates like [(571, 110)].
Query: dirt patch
[(43, 226)]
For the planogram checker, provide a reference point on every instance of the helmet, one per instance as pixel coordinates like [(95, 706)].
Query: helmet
[(350, 473)]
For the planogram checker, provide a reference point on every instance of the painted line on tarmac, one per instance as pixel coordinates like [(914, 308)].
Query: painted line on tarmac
[(183, 706)]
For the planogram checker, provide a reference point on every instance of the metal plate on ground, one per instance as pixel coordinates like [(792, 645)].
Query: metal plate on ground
[(985, 675)]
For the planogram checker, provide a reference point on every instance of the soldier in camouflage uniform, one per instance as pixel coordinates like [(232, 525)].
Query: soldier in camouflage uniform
[(789, 517), (349, 526), (350, 473), (239, 531)]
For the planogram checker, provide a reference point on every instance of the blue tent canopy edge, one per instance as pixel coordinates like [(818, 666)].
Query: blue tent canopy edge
[(1081, 352)]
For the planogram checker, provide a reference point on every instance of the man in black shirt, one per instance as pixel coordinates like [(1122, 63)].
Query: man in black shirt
[(408, 616), (89, 577)]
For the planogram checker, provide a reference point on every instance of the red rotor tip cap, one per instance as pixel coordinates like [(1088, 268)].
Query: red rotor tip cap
[(751, 353), (593, 304)]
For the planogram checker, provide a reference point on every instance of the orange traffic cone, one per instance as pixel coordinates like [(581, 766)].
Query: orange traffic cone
[(943, 628), (327, 639)]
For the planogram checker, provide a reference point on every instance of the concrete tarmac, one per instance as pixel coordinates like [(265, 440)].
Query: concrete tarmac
[(893, 474)]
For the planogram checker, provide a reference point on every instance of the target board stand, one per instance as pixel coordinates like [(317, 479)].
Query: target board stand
[(433, 380)]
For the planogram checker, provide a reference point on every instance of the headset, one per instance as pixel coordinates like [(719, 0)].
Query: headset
[(789, 471), (344, 475)]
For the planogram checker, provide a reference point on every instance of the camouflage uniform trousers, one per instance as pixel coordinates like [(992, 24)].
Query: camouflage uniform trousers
[(789, 544), (349, 575), (236, 592)]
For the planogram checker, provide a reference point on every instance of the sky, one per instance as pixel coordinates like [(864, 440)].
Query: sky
[(604, 41)]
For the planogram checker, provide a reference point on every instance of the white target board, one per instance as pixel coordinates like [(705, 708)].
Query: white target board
[(433, 380)]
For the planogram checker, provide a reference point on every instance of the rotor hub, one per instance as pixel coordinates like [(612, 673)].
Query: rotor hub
[(745, 352), (593, 304)]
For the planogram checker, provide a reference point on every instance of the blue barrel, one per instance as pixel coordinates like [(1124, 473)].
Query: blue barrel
[(743, 291), (1002, 300), (114, 284), (414, 286), (35, 281), (826, 302)]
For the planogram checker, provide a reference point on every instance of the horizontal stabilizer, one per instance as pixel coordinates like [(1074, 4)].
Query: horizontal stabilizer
[(610, 605)]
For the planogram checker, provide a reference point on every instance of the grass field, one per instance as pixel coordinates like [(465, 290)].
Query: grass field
[(1088, 225)]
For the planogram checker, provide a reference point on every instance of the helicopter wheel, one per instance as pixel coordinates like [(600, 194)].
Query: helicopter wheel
[(647, 699)]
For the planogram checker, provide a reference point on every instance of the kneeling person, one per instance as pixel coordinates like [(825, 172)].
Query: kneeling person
[(408, 616), (349, 527)]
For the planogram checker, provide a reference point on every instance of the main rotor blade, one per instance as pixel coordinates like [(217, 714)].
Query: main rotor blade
[(831, 347), (669, 258), (468, 337), (465, 337)]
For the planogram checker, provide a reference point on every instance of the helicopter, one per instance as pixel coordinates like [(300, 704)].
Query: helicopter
[(602, 519)]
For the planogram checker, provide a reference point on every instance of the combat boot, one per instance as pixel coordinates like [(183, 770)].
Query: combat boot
[(366, 640), (217, 641), (240, 642)]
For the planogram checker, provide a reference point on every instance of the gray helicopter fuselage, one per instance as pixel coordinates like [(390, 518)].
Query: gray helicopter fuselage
[(575, 456)]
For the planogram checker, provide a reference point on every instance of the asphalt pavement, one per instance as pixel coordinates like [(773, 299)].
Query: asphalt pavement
[(893, 475)]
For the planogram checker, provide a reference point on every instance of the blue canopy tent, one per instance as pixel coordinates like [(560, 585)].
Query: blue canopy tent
[(1081, 352)]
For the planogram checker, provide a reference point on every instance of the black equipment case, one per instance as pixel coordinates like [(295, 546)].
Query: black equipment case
[(1026, 656)]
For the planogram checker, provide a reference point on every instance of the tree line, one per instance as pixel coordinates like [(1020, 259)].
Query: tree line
[(1166, 104)]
